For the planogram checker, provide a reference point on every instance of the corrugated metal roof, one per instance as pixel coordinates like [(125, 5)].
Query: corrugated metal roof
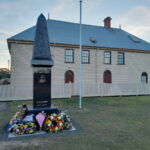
[(68, 33)]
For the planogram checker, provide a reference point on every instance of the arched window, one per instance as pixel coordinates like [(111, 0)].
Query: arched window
[(144, 77), (69, 76), (107, 77)]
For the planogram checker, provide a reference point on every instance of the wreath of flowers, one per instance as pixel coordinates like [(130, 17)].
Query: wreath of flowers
[(22, 123), (57, 122), (24, 128), (18, 126)]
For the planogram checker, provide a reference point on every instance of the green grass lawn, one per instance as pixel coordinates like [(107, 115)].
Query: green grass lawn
[(107, 123)]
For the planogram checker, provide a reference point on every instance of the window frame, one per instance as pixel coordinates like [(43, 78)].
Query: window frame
[(104, 77), (144, 74), (107, 57), (69, 55), (121, 58), (87, 57), (65, 76)]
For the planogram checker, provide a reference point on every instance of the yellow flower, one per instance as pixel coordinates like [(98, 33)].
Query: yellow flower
[(32, 124), (25, 126), (49, 122), (31, 131)]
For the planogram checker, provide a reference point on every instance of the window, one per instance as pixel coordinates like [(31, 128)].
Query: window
[(144, 77), (85, 56), (69, 76), (121, 58), (107, 77), (69, 56), (107, 57)]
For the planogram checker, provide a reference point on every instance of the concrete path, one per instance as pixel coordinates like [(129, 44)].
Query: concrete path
[(3, 106)]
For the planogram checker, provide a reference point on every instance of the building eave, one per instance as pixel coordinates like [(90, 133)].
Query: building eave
[(28, 42)]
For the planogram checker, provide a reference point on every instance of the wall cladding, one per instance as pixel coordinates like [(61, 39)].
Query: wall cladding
[(130, 73)]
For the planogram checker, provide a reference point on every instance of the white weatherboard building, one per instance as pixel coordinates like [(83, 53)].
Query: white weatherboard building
[(114, 61)]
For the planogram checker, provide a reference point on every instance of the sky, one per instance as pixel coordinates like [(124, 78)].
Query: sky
[(18, 15)]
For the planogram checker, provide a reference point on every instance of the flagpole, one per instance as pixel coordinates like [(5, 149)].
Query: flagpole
[(80, 71)]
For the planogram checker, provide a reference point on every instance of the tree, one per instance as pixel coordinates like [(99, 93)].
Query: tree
[(4, 73)]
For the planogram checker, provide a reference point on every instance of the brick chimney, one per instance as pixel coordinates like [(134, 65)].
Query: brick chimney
[(107, 22)]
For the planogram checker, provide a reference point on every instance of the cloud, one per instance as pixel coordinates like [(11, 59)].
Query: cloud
[(17, 15), (4, 53), (4, 61), (70, 9), (136, 21), (63, 9), (92, 5)]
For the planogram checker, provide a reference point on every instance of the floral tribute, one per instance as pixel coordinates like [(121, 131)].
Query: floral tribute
[(57, 122), (23, 123)]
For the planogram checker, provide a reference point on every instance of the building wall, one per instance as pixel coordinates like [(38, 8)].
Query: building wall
[(21, 71), (135, 64)]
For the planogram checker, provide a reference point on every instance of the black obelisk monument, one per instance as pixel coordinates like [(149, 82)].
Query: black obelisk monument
[(42, 63)]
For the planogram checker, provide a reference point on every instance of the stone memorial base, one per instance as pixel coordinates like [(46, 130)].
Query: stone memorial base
[(46, 110), (11, 135)]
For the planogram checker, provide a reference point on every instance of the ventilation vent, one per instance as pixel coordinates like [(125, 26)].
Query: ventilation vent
[(93, 40), (134, 39)]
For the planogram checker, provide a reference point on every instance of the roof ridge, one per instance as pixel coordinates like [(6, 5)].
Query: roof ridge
[(83, 24)]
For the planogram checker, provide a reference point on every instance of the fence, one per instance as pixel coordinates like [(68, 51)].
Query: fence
[(10, 92)]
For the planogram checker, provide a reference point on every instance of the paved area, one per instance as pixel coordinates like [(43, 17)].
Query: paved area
[(3, 106)]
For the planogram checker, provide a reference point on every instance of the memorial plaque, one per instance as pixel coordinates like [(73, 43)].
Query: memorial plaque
[(42, 88)]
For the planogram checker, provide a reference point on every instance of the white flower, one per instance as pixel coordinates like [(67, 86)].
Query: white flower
[(56, 128), (59, 117), (62, 114), (49, 124), (54, 114), (60, 123), (17, 130), (51, 117)]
